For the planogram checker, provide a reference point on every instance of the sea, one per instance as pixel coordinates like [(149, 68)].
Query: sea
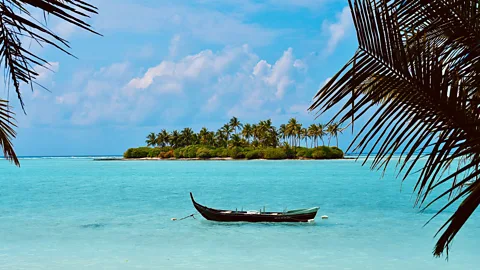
[(79, 213)]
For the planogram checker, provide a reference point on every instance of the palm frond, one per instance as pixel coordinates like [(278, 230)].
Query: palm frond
[(17, 21), (7, 132), (18, 61), (417, 70)]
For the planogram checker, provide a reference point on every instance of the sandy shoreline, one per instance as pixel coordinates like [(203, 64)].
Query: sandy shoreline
[(193, 159)]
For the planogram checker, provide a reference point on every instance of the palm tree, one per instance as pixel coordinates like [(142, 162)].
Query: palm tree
[(151, 139), (187, 136), (282, 131), (18, 24), (321, 132), (227, 129), (234, 124), (418, 63), (221, 138), (235, 141), (247, 132), (304, 135), (333, 130), (291, 130), (204, 136), (255, 132), (175, 139), (312, 132), (163, 138)]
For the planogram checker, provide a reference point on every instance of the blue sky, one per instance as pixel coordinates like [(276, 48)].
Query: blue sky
[(173, 64)]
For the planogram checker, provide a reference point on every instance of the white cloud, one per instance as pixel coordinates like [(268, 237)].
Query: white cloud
[(201, 66), (300, 65), (212, 103), (45, 72), (203, 24), (113, 71), (64, 29), (230, 81), (278, 74), (67, 99), (174, 43), (338, 30)]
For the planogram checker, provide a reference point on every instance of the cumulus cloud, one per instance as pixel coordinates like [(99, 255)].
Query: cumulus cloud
[(231, 81), (201, 66), (174, 43), (278, 75), (338, 30)]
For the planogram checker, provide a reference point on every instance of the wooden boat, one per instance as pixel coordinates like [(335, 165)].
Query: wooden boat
[(297, 215)]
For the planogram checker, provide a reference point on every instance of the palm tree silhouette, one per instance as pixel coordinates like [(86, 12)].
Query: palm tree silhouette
[(416, 70), (18, 24)]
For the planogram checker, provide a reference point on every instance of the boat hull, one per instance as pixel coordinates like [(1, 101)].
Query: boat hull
[(243, 216)]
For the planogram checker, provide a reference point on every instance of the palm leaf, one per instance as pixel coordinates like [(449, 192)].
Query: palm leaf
[(17, 22), (416, 69), (7, 132)]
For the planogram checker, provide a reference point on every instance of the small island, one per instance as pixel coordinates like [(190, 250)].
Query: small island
[(235, 140)]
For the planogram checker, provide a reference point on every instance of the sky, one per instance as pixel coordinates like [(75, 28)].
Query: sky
[(175, 64)]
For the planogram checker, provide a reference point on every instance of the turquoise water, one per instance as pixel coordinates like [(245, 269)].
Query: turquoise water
[(77, 213)]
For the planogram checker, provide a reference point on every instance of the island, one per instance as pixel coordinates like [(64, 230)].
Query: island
[(235, 140)]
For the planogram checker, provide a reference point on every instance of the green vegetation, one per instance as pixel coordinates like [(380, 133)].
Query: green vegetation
[(202, 152), (238, 141)]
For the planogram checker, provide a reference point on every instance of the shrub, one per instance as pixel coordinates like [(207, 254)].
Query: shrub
[(168, 154), (203, 153), (319, 154), (305, 153), (140, 152), (191, 151), (235, 152), (275, 153), (309, 153), (178, 153), (218, 152), (336, 152), (154, 152), (240, 155), (254, 154)]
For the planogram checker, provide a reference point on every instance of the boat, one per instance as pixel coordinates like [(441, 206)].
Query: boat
[(297, 215)]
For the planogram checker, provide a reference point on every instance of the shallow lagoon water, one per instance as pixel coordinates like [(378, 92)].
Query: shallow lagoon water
[(69, 213)]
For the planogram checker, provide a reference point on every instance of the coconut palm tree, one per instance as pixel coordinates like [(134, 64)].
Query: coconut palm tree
[(255, 132), (151, 139), (175, 139), (417, 71), (221, 138), (163, 138), (187, 135), (247, 132), (312, 132), (227, 129), (203, 136), (282, 131), (292, 128), (304, 135), (235, 124), (332, 131), (19, 24), (321, 132), (235, 141)]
